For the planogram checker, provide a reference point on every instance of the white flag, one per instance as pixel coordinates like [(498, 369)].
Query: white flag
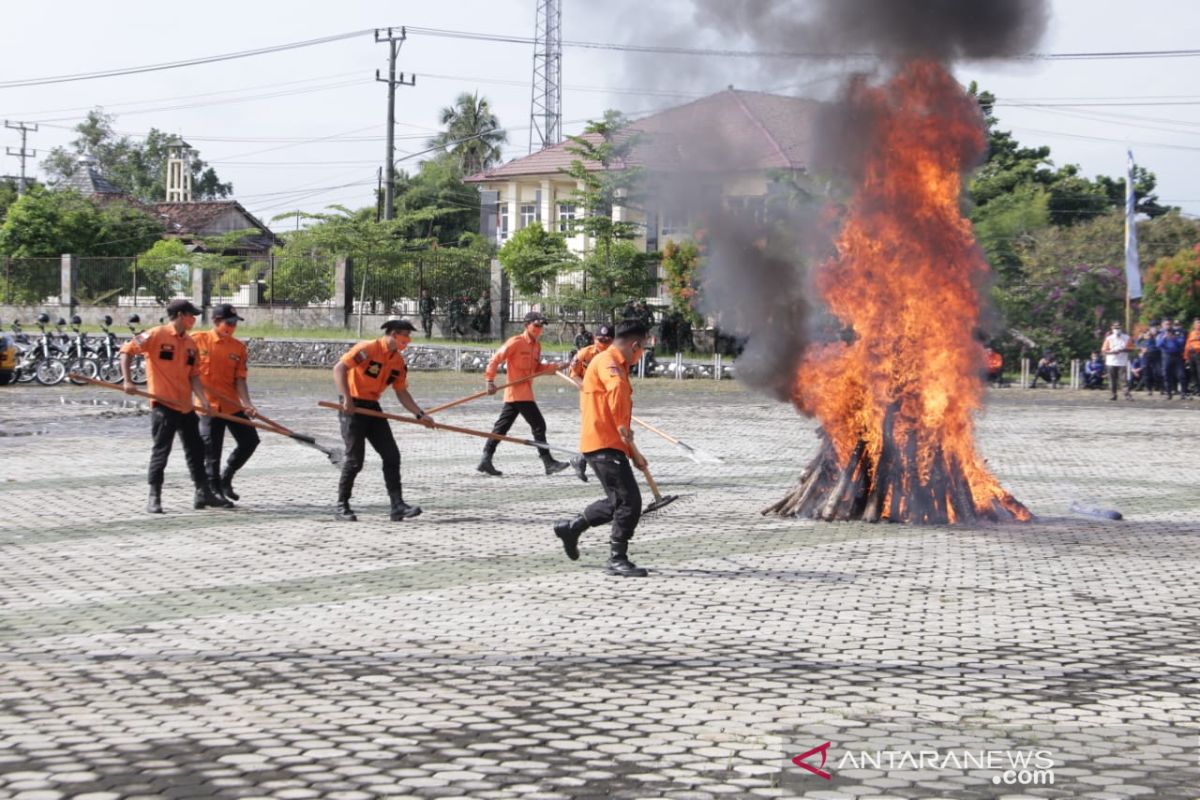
[(1133, 272)]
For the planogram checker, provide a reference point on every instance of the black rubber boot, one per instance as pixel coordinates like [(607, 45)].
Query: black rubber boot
[(619, 563), (485, 466), (402, 510), (205, 497), (154, 503), (579, 464), (553, 466), (568, 530), (343, 512), (226, 486), (215, 488)]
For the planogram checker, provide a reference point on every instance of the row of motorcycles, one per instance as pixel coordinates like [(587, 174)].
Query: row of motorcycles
[(52, 356)]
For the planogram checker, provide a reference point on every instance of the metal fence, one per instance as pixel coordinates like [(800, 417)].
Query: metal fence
[(30, 281), (457, 282)]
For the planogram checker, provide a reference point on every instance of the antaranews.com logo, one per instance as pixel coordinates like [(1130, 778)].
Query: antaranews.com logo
[(1016, 767)]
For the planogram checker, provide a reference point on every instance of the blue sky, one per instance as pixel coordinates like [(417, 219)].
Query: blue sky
[(305, 128)]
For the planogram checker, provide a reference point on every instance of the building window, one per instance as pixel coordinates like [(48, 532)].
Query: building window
[(751, 209), (674, 223), (502, 227), (566, 218), (528, 214)]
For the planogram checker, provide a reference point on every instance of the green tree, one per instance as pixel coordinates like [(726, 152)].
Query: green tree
[(614, 269), (163, 271), (49, 223), (681, 265), (1173, 287), (472, 135), (136, 168), (8, 196), (438, 184), (532, 257)]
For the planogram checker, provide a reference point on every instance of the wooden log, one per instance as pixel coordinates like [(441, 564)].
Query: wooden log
[(843, 481), (960, 493)]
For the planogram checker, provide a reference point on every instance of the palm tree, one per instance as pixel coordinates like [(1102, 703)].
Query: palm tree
[(473, 134)]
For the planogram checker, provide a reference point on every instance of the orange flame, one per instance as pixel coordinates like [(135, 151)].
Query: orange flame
[(906, 280)]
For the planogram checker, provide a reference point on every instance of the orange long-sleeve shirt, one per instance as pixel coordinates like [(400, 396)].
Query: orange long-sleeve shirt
[(171, 361), (605, 403), (371, 367), (523, 354), (222, 362), (579, 364)]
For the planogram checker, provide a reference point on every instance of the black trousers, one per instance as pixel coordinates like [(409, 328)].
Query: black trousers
[(427, 324), (357, 430), (1153, 371), (622, 504), (1194, 363), (1115, 374), (1173, 378), (527, 409), (164, 424), (212, 431)]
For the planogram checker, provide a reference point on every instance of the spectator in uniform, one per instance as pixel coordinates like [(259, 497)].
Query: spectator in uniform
[(223, 374), (173, 372), (426, 306), (606, 439), (1093, 372), (1116, 359), (1171, 342), (361, 377), (584, 337), (523, 355), (1151, 361)]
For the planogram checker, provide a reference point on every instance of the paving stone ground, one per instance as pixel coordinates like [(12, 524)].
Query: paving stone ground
[(269, 651)]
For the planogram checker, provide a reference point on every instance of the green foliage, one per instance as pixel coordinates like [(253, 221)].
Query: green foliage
[(46, 224), (1173, 286), (1009, 222), (681, 263), (613, 276), (472, 135), (8, 196), (437, 186), (136, 168), (532, 257), (163, 271)]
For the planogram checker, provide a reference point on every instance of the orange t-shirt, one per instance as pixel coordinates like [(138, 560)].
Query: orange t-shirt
[(372, 368), (584, 357), (222, 362), (606, 403), (1193, 344), (524, 357), (171, 361)]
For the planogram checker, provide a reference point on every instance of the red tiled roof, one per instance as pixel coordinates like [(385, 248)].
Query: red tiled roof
[(197, 218), (728, 131)]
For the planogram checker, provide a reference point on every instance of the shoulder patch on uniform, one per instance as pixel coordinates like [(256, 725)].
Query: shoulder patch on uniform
[(615, 371), (361, 356), (142, 337)]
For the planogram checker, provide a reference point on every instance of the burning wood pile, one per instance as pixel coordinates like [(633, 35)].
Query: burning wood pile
[(897, 394)]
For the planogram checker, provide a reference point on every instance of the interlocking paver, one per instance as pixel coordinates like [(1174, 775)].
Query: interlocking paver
[(269, 651)]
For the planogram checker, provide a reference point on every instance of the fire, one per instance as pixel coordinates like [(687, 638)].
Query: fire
[(897, 401)]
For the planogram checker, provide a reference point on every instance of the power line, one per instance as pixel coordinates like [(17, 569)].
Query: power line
[(191, 62)]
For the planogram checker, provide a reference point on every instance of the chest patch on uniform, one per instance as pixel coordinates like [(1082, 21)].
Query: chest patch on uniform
[(374, 368), (167, 352), (393, 376)]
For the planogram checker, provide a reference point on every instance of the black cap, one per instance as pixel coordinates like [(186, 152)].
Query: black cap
[(605, 331), (631, 329), (534, 316), (225, 311), (393, 325), (181, 306)]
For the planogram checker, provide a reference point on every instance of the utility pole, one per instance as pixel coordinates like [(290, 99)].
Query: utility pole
[(22, 154), (393, 42)]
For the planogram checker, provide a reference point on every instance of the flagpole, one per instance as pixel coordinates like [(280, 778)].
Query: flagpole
[(1133, 272)]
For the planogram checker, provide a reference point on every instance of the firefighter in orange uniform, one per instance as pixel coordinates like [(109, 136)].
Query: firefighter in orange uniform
[(223, 375), (173, 372), (605, 439), (523, 354), (361, 377), (579, 364)]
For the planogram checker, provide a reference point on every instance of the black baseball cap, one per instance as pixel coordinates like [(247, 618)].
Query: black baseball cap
[(534, 316), (393, 325), (225, 311), (605, 331), (181, 306)]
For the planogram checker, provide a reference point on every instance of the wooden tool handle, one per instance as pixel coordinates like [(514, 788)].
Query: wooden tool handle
[(645, 471), (370, 412), (484, 393), (217, 414)]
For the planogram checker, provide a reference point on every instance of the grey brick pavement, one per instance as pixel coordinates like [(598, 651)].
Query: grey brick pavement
[(271, 652)]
